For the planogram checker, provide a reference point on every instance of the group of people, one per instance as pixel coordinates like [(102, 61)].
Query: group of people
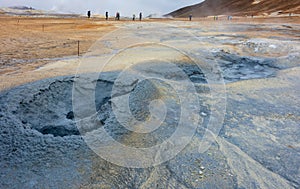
[(117, 16), (140, 16)]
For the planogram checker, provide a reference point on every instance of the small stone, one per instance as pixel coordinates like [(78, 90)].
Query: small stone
[(201, 176), (201, 172), (203, 114), (202, 168), (70, 115)]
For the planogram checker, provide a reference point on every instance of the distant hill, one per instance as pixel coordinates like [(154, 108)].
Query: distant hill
[(29, 11), (239, 8), (21, 8)]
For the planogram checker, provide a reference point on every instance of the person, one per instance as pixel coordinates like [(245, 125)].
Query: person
[(118, 16), (141, 16), (89, 14), (106, 15), (190, 17), (133, 17)]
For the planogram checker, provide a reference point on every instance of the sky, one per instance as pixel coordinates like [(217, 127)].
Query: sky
[(125, 7)]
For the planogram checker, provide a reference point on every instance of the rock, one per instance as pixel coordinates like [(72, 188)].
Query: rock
[(203, 114)]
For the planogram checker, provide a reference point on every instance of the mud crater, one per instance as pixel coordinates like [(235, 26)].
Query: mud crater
[(50, 110), (237, 68)]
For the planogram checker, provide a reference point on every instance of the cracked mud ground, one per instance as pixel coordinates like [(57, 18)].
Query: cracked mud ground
[(257, 147)]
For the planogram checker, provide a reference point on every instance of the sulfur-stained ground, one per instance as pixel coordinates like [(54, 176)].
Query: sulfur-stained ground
[(233, 85)]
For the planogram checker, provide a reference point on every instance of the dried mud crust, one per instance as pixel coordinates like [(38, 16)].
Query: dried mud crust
[(37, 118), (50, 111), (39, 136)]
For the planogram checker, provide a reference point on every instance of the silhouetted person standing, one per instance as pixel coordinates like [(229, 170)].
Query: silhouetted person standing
[(106, 15), (190, 17), (133, 17), (118, 16), (89, 14), (141, 16)]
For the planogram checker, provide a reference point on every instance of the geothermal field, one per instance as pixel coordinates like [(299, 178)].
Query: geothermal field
[(161, 103)]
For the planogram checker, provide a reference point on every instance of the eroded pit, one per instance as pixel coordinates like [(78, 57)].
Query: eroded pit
[(236, 68), (49, 111)]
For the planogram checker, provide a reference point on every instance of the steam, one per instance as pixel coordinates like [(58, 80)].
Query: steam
[(126, 8)]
